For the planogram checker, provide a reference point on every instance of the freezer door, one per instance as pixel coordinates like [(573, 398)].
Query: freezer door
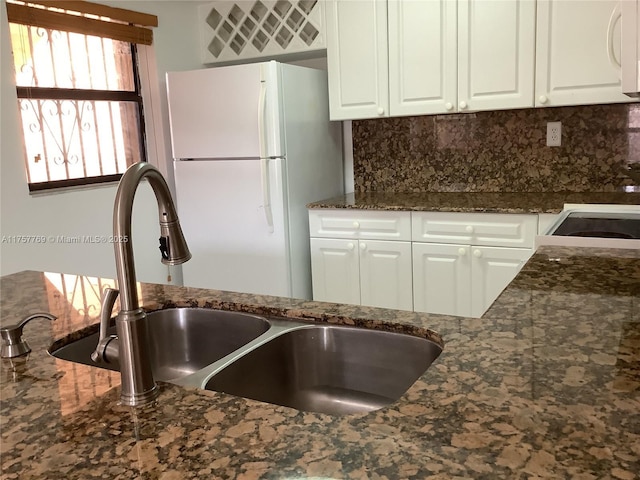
[(225, 112), (221, 209)]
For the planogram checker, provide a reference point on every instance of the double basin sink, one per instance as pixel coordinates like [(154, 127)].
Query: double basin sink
[(319, 368)]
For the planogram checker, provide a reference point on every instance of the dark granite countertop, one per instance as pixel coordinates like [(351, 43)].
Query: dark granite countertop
[(545, 202), (546, 385)]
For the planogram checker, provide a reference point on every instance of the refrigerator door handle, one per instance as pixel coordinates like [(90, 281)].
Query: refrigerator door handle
[(266, 193), (264, 161)]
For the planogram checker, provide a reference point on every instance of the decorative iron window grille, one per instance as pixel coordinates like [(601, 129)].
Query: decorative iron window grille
[(80, 103)]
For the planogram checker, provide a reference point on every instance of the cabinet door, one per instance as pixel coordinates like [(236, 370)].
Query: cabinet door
[(578, 53), (357, 59), (335, 270), (385, 274), (422, 56), (441, 279), (496, 54), (492, 269)]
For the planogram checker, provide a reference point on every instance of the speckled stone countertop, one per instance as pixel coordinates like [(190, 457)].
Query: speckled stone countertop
[(545, 202), (546, 385)]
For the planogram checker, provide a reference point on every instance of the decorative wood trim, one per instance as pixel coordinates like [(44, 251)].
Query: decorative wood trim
[(73, 23), (114, 13)]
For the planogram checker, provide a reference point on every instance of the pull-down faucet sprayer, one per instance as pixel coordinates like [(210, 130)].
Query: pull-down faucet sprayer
[(130, 346)]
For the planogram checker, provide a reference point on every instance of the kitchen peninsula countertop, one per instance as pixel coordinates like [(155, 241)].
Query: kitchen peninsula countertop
[(546, 385), (545, 202)]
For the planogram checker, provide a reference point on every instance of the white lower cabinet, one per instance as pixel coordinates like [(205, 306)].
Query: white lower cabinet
[(492, 269), (461, 279), (463, 261), (435, 262), (385, 274), (335, 264), (375, 273), (441, 280), (361, 257)]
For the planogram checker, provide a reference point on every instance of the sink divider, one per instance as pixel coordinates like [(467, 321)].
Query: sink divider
[(277, 327)]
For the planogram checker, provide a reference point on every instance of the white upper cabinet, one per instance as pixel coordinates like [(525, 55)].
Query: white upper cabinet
[(357, 58), (422, 56), (439, 56), (496, 54), (419, 57), (578, 53)]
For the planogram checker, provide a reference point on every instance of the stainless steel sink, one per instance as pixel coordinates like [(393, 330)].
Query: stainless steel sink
[(182, 340), (328, 369), (320, 368)]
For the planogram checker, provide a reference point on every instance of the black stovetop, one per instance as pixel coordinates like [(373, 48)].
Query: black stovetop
[(600, 224)]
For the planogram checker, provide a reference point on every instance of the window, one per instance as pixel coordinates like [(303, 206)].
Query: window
[(78, 90)]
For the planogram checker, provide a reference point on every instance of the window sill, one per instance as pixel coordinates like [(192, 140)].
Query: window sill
[(73, 184)]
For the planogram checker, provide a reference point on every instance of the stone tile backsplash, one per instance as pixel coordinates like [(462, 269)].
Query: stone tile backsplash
[(501, 151)]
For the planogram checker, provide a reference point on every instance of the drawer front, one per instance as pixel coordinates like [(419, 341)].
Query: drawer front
[(360, 224), (484, 229)]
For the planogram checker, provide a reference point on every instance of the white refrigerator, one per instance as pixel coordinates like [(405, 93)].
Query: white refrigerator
[(252, 146)]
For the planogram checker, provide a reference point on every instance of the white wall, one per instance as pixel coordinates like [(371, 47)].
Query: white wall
[(86, 211)]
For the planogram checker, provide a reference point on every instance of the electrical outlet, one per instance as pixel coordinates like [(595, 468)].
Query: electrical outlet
[(554, 134)]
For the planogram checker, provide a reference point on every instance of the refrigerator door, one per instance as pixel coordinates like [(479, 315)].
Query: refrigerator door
[(221, 209), (225, 112)]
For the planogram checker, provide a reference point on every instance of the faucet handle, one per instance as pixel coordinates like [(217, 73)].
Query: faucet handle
[(106, 309), (13, 345), (164, 247)]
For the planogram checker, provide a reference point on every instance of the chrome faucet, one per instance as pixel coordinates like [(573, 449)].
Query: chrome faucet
[(129, 347)]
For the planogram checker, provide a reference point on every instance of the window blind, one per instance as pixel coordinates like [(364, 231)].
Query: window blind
[(86, 18)]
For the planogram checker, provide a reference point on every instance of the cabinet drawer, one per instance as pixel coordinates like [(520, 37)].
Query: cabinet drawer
[(360, 224), (491, 229)]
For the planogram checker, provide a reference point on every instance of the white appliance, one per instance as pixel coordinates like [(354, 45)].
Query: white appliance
[(252, 146), (630, 42)]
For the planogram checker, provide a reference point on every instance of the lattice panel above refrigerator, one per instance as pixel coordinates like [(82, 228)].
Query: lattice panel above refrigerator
[(249, 29)]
